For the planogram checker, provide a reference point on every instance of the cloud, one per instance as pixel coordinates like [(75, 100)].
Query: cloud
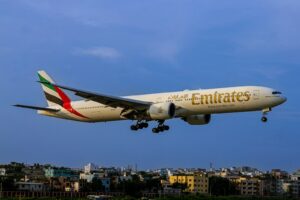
[(165, 51), (271, 73), (100, 52)]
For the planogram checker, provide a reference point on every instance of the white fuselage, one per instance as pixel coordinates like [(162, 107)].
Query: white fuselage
[(188, 102)]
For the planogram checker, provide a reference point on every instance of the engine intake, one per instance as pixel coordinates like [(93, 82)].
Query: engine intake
[(161, 111)]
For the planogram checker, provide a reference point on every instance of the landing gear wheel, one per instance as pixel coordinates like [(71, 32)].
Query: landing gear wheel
[(133, 127), (264, 119), (144, 125), (155, 130), (167, 127), (139, 125), (161, 128)]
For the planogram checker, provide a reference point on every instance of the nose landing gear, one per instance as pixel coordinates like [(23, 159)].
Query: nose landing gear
[(265, 112), (264, 119)]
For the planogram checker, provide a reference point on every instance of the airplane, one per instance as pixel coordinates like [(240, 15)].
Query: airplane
[(193, 106)]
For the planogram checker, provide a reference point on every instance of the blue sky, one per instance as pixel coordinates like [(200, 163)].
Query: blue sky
[(135, 47)]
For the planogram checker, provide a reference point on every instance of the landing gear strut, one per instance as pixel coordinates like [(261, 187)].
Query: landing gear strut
[(161, 127), (265, 112), (139, 125)]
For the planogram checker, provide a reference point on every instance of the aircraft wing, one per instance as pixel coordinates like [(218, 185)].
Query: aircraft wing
[(108, 100)]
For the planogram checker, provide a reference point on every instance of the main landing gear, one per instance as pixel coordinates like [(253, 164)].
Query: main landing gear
[(265, 112), (139, 125), (143, 124), (161, 127)]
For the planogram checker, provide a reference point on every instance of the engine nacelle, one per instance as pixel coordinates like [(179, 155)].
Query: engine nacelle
[(198, 119), (161, 111)]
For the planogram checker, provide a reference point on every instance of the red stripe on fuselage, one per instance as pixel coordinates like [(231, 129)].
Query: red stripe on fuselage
[(67, 102)]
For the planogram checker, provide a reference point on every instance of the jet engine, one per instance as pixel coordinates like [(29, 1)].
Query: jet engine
[(197, 119), (161, 111)]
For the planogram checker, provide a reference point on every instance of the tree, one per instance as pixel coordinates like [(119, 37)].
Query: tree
[(221, 186), (181, 186), (95, 186), (7, 184)]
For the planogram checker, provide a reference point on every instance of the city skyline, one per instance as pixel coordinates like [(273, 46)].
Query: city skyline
[(135, 167), (120, 48), (33, 180)]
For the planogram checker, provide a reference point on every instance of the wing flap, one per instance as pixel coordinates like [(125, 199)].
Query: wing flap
[(37, 108)]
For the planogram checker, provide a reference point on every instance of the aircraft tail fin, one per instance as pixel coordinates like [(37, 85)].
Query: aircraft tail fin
[(54, 95)]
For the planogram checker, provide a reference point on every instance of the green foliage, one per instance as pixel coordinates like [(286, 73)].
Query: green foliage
[(221, 186), (94, 186), (181, 186), (132, 188), (136, 187), (7, 183)]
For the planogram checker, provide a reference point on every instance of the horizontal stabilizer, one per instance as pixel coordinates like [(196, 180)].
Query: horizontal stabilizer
[(37, 108)]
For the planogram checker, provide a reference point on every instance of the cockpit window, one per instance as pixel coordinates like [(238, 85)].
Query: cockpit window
[(276, 92)]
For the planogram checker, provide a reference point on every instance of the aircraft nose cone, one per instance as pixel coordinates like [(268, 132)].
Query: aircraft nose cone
[(283, 99)]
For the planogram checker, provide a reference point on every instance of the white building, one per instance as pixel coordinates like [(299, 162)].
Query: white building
[(2, 171), (89, 168), (89, 177)]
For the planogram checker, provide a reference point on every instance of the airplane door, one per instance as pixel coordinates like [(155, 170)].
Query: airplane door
[(256, 94)]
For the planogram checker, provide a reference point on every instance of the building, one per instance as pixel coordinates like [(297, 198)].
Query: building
[(296, 176), (30, 186), (72, 186), (90, 168), (188, 180), (196, 183), (52, 172), (89, 177), (168, 191), (2, 171), (295, 184), (165, 172), (201, 183), (250, 187), (279, 174), (36, 173)]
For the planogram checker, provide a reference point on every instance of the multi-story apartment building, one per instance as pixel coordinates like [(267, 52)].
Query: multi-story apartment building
[(295, 184), (201, 183), (196, 183), (279, 174), (182, 179), (250, 187)]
